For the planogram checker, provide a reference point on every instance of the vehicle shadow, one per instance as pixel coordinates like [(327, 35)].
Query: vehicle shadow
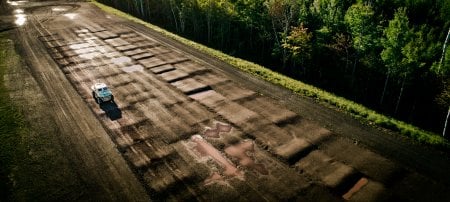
[(111, 110)]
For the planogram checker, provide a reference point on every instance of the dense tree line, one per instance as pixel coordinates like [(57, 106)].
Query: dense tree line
[(389, 55)]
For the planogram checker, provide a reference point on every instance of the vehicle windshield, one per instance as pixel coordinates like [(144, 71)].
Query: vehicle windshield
[(103, 89)]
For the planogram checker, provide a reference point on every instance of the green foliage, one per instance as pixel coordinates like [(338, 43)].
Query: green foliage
[(284, 14), (329, 13), (397, 36), (33, 164), (298, 43), (360, 20), (412, 53), (11, 125)]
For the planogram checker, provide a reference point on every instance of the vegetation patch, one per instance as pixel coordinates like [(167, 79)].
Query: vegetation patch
[(356, 110), (11, 123), (33, 166)]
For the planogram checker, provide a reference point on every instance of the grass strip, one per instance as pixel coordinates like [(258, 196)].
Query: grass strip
[(12, 124), (354, 109), (33, 163)]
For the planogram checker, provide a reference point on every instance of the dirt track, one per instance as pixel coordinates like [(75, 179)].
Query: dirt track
[(185, 126)]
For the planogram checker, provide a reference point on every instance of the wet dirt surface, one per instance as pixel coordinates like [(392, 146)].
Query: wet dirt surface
[(188, 129)]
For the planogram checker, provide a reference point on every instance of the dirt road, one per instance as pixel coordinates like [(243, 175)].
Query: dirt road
[(186, 126)]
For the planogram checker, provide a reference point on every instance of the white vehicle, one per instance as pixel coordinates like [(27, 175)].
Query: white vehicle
[(101, 93)]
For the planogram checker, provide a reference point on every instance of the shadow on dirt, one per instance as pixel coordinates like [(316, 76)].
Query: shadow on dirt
[(111, 110)]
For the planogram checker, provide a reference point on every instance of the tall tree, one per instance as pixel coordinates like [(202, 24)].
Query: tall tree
[(330, 12), (298, 43), (283, 13), (254, 20), (401, 52), (341, 45), (207, 6), (361, 23)]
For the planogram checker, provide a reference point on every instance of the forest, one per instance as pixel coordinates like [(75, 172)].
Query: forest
[(389, 55)]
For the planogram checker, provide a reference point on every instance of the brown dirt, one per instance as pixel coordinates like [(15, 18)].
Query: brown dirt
[(172, 103)]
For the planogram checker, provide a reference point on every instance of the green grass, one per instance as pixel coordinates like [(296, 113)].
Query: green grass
[(356, 110), (11, 122), (33, 165)]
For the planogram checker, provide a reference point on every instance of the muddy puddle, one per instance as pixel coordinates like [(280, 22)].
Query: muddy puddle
[(61, 8), (16, 3), (71, 15)]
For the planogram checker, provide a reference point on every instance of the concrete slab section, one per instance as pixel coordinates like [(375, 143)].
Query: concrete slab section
[(145, 44), (269, 109), (168, 128), (174, 75), (122, 60), (190, 86), (134, 52), (133, 40), (235, 113), (129, 35), (192, 112), (133, 68), (158, 89), (303, 128), (233, 91), (116, 42), (162, 69), (210, 78), (105, 35), (293, 150), (158, 50), (113, 54), (80, 46), (265, 133), (384, 170), (126, 47), (142, 55), (333, 174), (151, 62), (190, 66), (209, 98)]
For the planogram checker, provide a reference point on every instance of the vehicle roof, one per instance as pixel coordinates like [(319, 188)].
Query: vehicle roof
[(99, 85)]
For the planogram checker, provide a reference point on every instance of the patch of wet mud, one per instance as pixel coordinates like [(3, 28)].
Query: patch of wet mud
[(244, 153), (205, 149)]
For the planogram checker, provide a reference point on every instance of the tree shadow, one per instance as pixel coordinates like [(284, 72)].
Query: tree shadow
[(111, 110)]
